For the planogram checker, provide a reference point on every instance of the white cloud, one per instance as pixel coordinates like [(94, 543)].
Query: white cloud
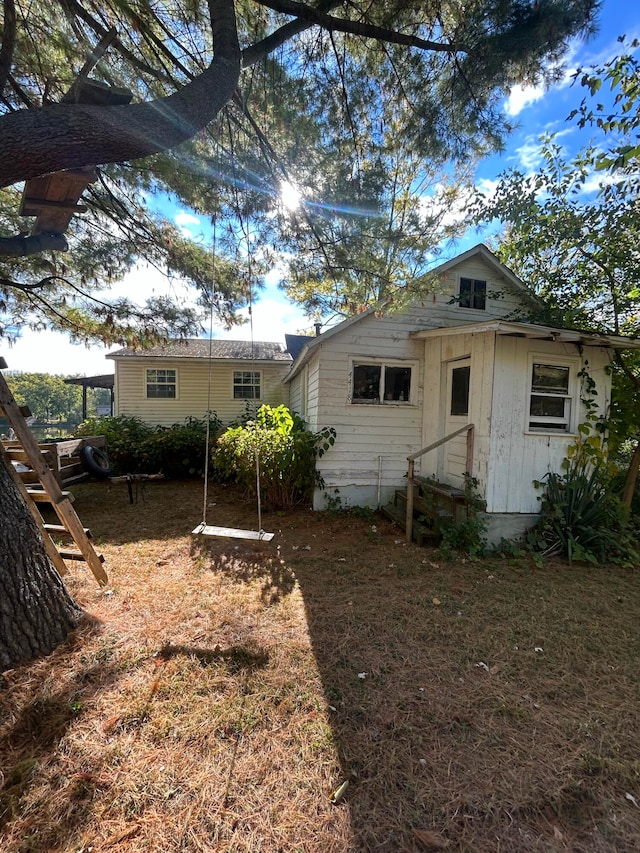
[(53, 352), (528, 154), (188, 224), (521, 97), (272, 318)]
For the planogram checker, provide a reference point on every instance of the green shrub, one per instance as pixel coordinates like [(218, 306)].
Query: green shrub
[(581, 516), (136, 447), (286, 453), (467, 535)]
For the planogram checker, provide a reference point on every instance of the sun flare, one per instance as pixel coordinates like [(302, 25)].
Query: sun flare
[(290, 195)]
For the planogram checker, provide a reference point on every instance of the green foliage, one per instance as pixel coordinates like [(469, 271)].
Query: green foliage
[(572, 230), (48, 397), (136, 447), (286, 454), (334, 111), (581, 516), (467, 535)]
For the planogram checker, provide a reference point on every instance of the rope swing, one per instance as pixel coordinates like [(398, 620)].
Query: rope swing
[(204, 529)]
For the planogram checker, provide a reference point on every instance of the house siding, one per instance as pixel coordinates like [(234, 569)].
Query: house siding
[(517, 456), (192, 379), (369, 459)]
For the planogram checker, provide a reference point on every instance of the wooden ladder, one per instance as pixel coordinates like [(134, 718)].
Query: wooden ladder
[(49, 492)]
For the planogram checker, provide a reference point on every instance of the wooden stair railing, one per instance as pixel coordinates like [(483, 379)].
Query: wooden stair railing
[(469, 429), (51, 491)]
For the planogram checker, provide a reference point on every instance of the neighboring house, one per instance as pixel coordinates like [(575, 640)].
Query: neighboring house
[(393, 384), (166, 384)]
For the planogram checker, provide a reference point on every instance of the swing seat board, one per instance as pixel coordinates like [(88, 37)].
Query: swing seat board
[(232, 533)]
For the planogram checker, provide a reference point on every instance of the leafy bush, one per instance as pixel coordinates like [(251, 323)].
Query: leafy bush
[(286, 454), (581, 516), (136, 447), (467, 535)]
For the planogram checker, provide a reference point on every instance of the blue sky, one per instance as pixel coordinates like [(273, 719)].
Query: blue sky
[(535, 112)]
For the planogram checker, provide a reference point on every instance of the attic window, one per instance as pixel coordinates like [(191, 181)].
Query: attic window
[(550, 406), (381, 383), (473, 293), (161, 384), (246, 384)]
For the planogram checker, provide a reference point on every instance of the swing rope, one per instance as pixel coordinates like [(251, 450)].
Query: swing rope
[(203, 528), (207, 440)]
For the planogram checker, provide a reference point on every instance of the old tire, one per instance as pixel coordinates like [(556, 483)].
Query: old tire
[(96, 460)]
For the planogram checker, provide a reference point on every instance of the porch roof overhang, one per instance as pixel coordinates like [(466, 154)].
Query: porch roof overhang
[(532, 331)]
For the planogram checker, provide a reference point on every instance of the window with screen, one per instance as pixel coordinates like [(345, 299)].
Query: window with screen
[(246, 385), (460, 377)]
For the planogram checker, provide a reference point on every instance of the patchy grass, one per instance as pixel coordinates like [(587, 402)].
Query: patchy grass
[(219, 692)]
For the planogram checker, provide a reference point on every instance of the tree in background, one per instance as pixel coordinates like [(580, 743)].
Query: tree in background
[(572, 232), (294, 91), (48, 397)]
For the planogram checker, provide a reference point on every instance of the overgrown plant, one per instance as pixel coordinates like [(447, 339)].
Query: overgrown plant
[(468, 534), (286, 453), (136, 447), (581, 516)]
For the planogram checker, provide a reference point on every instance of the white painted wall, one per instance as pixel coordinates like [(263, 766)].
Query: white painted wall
[(369, 458), (517, 455)]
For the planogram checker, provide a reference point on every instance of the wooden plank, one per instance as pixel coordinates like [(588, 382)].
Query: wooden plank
[(42, 496), (73, 554), (51, 491), (232, 533), (52, 551), (60, 528)]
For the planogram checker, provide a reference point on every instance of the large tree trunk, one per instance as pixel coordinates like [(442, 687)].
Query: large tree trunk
[(36, 611), (67, 136)]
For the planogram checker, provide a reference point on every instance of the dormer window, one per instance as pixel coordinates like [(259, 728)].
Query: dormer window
[(473, 293)]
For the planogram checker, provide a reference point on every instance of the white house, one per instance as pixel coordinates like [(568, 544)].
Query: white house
[(391, 384), (394, 384)]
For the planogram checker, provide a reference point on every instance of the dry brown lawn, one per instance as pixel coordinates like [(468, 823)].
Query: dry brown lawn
[(219, 692)]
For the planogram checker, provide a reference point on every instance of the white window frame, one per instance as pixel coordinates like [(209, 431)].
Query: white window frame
[(383, 364), (167, 383), (252, 384), (566, 424)]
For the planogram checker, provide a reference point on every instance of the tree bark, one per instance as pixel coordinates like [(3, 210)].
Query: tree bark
[(632, 477), (68, 136), (36, 611)]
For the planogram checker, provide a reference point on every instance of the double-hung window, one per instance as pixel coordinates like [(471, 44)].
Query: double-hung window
[(380, 383), (161, 384), (473, 293), (246, 384), (550, 399)]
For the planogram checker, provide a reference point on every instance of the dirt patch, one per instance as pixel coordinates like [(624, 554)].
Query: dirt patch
[(222, 691)]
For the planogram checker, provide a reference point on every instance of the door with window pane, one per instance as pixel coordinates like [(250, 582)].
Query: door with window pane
[(453, 454)]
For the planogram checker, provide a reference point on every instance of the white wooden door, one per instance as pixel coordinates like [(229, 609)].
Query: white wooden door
[(453, 455)]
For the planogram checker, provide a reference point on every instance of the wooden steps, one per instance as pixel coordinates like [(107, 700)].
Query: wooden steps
[(435, 506)]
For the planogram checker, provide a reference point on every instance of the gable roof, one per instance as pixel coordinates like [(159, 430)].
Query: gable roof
[(491, 259), (480, 249), (204, 349)]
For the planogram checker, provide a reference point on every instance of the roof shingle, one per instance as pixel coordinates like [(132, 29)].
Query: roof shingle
[(202, 348)]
